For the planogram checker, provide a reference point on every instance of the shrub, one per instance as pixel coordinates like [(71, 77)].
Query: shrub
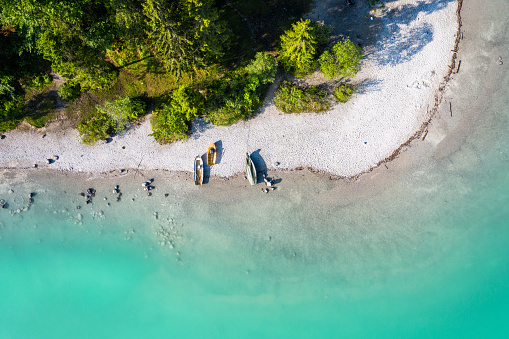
[(291, 98), (69, 91), (169, 125), (188, 102), (233, 98), (298, 47), (94, 127), (264, 66), (343, 92), (343, 60), (112, 118), (122, 112), (11, 104)]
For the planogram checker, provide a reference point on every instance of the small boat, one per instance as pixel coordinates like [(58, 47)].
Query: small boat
[(198, 170), (250, 170), (211, 154)]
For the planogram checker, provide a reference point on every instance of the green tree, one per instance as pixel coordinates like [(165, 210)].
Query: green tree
[(343, 60), (264, 67), (298, 47), (185, 34)]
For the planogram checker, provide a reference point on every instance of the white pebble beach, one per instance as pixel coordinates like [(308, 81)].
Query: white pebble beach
[(399, 82)]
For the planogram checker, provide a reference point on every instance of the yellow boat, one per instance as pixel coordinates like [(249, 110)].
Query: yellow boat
[(212, 154)]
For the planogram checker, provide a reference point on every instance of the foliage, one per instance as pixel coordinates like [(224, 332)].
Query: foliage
[(11, 104), (69, 91), (264, 66), (41, 113), (93, 127), (343, 60), (298, 47), (232, 98), (291, 98), (122, 112), (188, 102), (72, 58), (322, 32), (343, 92), (112, 118), (171, 122), (169, 125), (185, 34)]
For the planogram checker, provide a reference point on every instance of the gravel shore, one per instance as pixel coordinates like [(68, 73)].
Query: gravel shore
[(401, 74)]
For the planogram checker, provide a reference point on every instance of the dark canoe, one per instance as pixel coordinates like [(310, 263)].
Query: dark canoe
[(198, 170), (250, 170)]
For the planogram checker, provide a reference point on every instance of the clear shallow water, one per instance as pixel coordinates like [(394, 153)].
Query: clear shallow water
[(423, 253)]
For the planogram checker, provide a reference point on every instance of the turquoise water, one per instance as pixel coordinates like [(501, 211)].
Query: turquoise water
[(419, 250)]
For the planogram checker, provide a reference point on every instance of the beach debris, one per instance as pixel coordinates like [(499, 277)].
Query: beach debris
[(2, 137), (55, 157), (424, 135), (49, 161), (82, 194), (273, 188), (458, 67), (266, 190), (35, 165), (116, 190), (3, 204), (500, 62), (149, 194), (122, 170), (277, 163), (78, 207), (10, 191), (166, 195), (91, 192)]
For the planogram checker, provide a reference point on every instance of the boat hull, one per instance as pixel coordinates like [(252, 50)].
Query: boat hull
[(250, 170), (198, 171)]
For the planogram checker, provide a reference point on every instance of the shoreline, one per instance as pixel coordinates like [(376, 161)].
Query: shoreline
[(107, 158)]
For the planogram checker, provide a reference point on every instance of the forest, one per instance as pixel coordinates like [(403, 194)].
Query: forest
[(179, 59)]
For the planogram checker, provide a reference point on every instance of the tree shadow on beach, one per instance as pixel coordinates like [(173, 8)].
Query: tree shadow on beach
[(368, 86), (383, 36), (199, 127)]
